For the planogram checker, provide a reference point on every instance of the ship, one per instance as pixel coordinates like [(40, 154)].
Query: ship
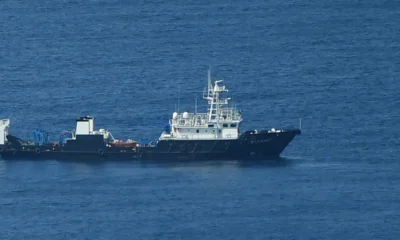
[(212, 135)]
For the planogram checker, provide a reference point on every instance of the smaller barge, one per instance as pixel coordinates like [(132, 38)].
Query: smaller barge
[(214, 135)]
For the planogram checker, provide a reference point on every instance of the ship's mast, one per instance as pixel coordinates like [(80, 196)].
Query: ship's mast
[(210, 86), (195, 106), (213, 98), (179, 97)]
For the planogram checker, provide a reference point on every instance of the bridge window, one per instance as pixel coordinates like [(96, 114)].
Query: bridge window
[(233, 125), (225, 125), (210, 126), (197, 131)]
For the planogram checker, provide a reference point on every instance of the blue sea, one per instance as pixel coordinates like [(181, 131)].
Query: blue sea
[(334, 64)]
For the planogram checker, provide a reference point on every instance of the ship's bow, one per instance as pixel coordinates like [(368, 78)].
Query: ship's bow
[(267, 143)]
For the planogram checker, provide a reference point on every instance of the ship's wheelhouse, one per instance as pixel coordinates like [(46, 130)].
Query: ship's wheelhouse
[(219, 122)]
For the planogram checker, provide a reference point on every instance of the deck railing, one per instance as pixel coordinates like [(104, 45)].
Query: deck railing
[(201, 119)]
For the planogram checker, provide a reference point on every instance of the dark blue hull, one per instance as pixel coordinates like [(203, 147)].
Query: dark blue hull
[(251, 144)]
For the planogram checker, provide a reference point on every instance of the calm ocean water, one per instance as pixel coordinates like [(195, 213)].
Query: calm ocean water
[(335, 64)]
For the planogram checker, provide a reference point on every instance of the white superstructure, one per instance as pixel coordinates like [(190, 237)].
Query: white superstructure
[(219, 122), (4, 126), (85, 126)]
